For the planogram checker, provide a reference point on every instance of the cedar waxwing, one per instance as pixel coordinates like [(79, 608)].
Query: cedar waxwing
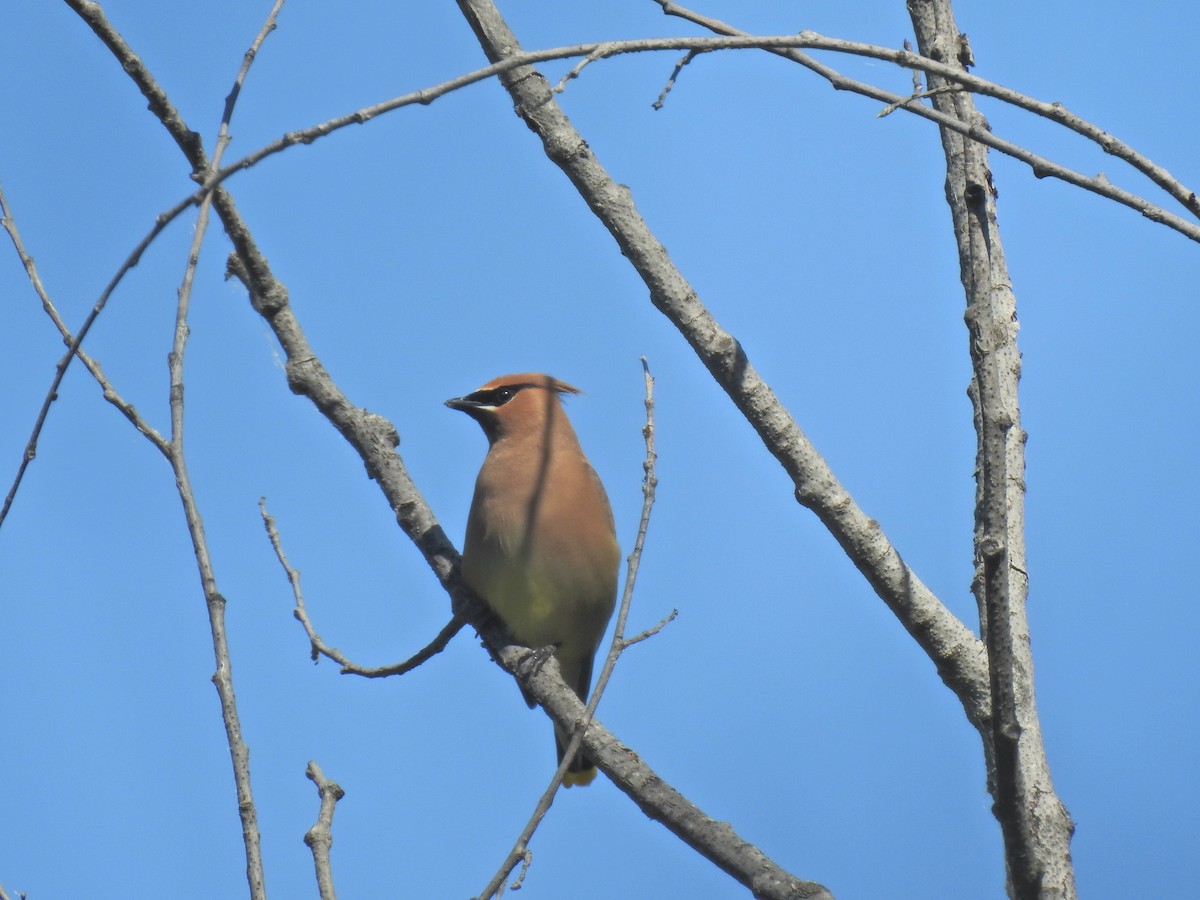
[(541, 546)]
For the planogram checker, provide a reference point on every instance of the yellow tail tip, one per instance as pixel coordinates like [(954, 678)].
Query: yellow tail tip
[(582, 778)]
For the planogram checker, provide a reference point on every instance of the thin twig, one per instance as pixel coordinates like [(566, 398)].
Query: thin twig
[(110, 393), (577, 69), (909, 60), (214, 602), (318, 645), (684, 60), (916, 73), (320, 837), (520, 850), (73, 344), (173, 450), (247, 60), (651, 631), (781, 45), (526, 862), (786, 46), (430, 650), (916, 96), (127, 409)]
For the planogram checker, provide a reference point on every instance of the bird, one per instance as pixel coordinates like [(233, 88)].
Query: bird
[(541, 547)]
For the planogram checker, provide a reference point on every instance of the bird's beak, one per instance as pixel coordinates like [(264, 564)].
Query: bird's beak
[(462, 404)]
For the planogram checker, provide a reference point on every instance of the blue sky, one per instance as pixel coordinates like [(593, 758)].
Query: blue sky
[(434, 248)]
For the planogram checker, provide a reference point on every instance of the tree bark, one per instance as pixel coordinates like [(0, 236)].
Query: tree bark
[(1035, 824)]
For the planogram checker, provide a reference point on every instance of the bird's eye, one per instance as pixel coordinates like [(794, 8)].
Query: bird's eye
[(497, 396)]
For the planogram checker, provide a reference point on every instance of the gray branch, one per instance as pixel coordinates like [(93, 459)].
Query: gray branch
[(1036, 827)]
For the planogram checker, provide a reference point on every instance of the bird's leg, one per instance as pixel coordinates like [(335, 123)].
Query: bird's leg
[(539, 656)]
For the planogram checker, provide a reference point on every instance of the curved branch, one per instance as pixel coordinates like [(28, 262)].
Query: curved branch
[(788, 46), (1042, 167), (320, 648)]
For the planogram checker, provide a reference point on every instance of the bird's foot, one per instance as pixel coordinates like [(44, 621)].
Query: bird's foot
[(539, 656)]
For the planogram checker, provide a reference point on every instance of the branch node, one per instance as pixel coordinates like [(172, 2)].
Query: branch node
[(600, 51)]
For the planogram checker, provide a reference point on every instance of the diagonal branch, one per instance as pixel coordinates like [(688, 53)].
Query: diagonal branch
[(789, 47), (73, 344), (127, 409), (957, 653), (943, 68), (716, 841), (786, 46)]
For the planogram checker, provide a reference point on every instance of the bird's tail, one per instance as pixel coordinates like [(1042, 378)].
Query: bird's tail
[(582, 770)]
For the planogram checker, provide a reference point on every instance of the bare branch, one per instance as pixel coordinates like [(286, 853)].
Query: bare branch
[(526, 862), (320, 648), (1036, 827), (247, 60), (110, 393), (73, 344), (679, 66), (787, 46), (780, 45), (1056, 112), (577, 69), (619, 643), (652, 630), (783, 46), (319, 838), (916, 96), (716, 841), (433, 648), (215, 603)]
